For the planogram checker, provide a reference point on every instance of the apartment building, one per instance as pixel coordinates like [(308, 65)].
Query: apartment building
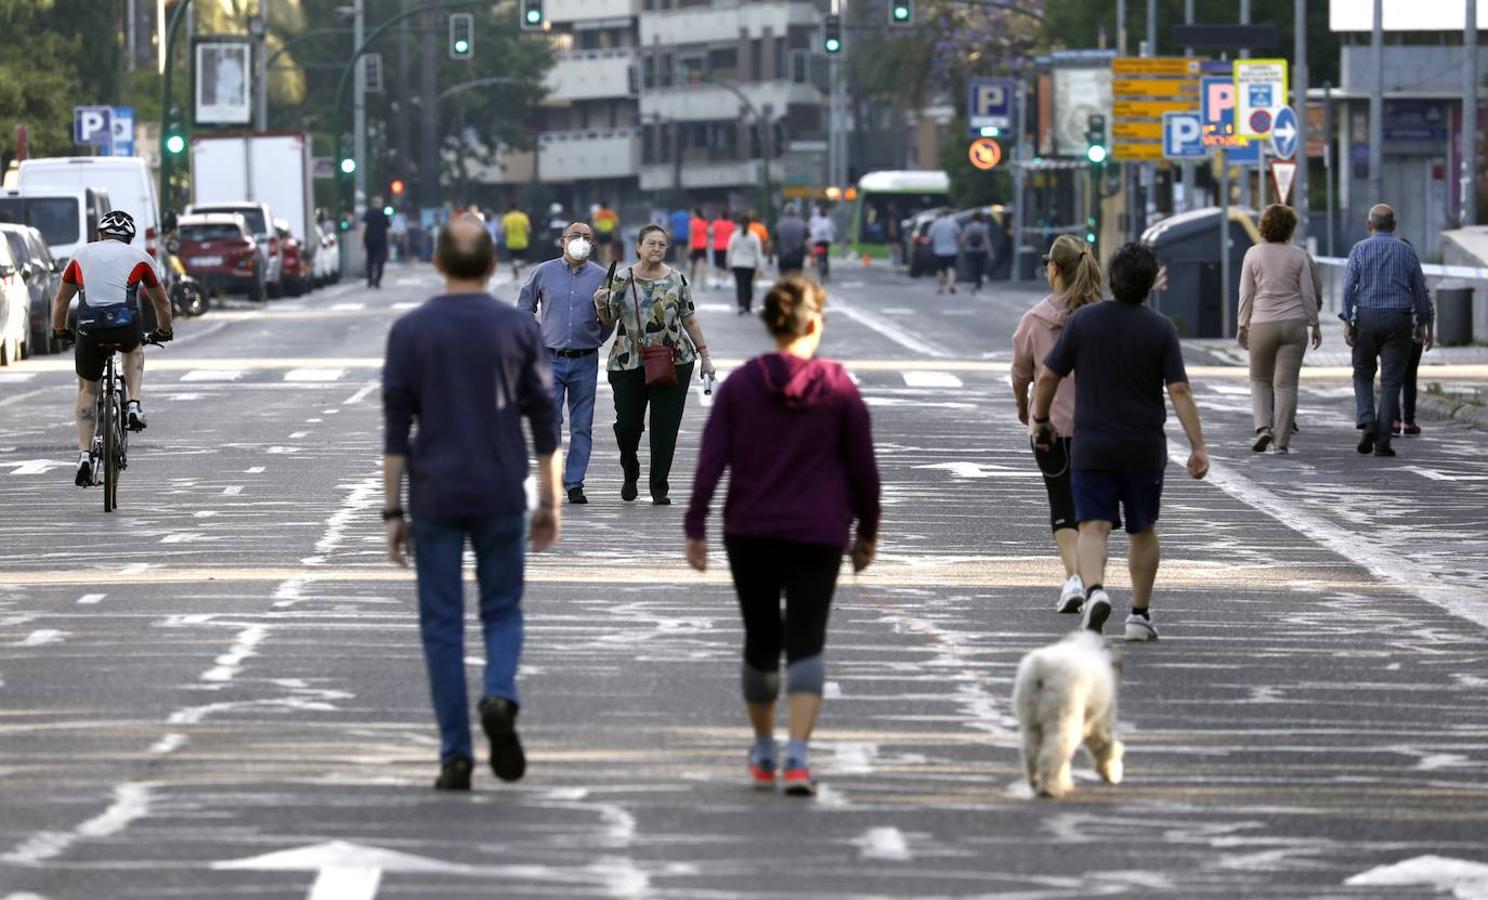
[(651, 99)]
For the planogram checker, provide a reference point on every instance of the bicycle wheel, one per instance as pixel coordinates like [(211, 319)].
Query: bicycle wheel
[(110, 413)]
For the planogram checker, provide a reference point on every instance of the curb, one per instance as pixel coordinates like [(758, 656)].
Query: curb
[(1444, 409)]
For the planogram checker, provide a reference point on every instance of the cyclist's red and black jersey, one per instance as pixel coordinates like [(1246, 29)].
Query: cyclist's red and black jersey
[(110, 272)]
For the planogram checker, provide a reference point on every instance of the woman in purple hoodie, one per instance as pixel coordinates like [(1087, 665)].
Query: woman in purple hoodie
[(794, 434)]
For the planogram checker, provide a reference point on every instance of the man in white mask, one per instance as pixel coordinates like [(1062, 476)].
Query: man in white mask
[(560, 294)]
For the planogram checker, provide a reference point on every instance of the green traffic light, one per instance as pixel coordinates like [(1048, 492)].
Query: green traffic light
[(901, 13), (175, 144), (462, 46), (348, 165), (388, 210), (833, 45), (1096, 153), (534, 16)]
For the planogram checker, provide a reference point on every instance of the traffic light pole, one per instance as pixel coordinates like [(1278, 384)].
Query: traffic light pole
[(177, 15), (359, 113), (1019, 179)]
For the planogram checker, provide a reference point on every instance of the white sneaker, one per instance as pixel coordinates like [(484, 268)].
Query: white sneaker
[(1097, 610), (1140, 628), (1073, 595)]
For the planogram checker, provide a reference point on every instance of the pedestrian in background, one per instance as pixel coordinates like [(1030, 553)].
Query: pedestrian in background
[(1123, 353), (1278, 306), (560, 293), (697, 247), (518, 230), (607, 233), (721, 231), (790, 242), (1419, 342), (796, 439), (757, 226), (650, 305), (745, 258), (1385, 304), (1075, 281), (823, 233), (680, 220), (977, 238), (462, 371), (945, 243), (375, 226)]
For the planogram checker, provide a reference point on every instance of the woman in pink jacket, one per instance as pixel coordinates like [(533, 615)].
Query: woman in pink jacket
[(1075, 277)]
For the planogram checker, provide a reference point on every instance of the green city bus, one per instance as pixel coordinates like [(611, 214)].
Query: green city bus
[(885, 197)]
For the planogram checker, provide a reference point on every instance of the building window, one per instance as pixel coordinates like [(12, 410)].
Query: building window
[(756, 59), (648, 71), (723, 63), (666, 70), (690, 68), (781, 60), (800, 63)]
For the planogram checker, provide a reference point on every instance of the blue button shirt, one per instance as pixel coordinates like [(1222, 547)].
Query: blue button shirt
[(566, 297), (1383, 272)]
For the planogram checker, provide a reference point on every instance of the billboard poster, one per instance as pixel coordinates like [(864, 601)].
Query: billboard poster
[(223, 68), (1079, 93)]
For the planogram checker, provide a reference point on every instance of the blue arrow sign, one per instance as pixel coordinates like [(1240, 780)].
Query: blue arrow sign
[(1284, 133)]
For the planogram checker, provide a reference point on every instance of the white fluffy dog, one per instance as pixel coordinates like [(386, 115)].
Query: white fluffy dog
[(1065, 696)]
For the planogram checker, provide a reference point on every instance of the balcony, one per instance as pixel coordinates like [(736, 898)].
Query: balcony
[(722, 22), (697, 175), (590, 75), (560, 11), (703, 101), (564, 156)]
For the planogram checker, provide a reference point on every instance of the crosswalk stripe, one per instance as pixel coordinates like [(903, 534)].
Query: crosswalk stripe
[(919, 379), (16, 377), (213, 375), (348, 306), (311, 374)]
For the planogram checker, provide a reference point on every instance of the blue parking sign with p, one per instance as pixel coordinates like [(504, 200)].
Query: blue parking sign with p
[(989, 104), (1183, 136), (93, 125)]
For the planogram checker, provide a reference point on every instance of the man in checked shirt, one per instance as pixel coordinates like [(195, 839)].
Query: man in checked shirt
[(1385, 306)]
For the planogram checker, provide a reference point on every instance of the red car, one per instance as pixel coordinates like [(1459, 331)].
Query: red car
[(299, 276), (218, 250)]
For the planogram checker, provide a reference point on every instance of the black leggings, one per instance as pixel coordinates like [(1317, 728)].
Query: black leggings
[(744, 287), (1055, 467), (763, 568)]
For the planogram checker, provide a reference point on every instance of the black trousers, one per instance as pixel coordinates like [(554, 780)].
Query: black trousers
[(376, 259), (632, 396), (744, 288), (765, 568), (1408, 394)]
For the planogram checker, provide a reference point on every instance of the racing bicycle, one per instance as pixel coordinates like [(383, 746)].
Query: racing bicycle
[(109, 454)]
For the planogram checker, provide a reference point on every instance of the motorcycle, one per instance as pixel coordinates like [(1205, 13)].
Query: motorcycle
[(187, 296)]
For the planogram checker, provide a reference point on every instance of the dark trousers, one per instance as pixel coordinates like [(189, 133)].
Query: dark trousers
[(744, 288), (376, 260), (976, 260), (1408, 392), (763, 570), (1382, 339), (631, 398)]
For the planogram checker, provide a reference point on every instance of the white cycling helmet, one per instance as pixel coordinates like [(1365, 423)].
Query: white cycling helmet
[(118, 224)]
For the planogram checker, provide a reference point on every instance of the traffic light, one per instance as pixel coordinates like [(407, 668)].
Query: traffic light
[(1092, 230), (348, 165), (1095, 140), (901, 12), (832, 33), (461, 35), (175, 135), (532, 16), (396, 188)]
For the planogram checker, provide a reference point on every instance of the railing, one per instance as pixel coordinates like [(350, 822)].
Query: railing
[(588, 134)]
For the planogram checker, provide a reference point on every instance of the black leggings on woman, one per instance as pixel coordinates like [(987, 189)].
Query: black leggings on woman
[(763, 569), (744, 287)]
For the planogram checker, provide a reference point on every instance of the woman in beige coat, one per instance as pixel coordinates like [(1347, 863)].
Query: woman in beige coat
[(1278, 305), (1075, 278)]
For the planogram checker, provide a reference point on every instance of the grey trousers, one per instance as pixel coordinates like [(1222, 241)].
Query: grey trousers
[(1383, 338), (1276, 351)]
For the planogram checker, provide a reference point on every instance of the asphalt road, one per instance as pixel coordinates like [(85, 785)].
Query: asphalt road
[(218, 691)]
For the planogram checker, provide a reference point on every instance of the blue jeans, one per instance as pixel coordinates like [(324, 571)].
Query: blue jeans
[(578, 377), (1383, 339), (438, 548)]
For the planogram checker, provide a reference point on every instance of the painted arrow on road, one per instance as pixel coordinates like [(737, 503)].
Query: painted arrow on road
[(345, 871), (1466, 879)]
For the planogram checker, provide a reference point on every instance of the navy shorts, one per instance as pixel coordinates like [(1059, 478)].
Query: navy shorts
[(1102, 495)]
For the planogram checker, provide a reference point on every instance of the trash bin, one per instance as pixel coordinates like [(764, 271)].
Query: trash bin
[(1454, 326), (1188, 244)]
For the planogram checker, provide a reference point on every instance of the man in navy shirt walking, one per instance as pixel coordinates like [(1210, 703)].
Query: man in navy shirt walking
[(1122, 354), (465, 369), (560, 292)]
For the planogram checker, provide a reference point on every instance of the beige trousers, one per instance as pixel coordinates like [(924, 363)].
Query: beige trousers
[(1276, 350)]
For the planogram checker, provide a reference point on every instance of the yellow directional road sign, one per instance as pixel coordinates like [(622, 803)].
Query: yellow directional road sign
[(1137, 131), (1155, 88), (1143, 89)]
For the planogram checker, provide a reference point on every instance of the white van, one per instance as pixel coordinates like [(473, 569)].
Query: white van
[(66, 217), (126, 178)]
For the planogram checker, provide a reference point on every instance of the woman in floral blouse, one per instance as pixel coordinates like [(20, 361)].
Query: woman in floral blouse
[(653, 300)]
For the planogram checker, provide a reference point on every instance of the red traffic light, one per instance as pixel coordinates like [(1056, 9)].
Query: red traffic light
[(397, 187)]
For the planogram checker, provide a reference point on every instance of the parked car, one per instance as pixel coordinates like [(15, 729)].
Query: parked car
[(261, 225), (66, 217), (219, 250), (328, 260), (42, 275), (15, 310), (298, 279), (127, 180)]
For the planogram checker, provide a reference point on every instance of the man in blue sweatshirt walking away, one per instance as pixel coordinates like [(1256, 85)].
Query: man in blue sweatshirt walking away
[(466, 369)]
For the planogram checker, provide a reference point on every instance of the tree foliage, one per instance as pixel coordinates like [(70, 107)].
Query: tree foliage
[(58, 54)]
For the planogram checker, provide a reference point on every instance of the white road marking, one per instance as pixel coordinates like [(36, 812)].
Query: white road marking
[(346, 871), (136, 568), (978, 470), (883, 843), (41, 637), (299, 434), (35, 466), (16, 377), (91, 599), (891, 330), (170, 743), (918, 379), (229, 664), (278, 450), (213, 375), (131, 801), (405, 304), (254, 470), (348, 307), (233, 490), (314, 374), (1465, 878), (361, 394)]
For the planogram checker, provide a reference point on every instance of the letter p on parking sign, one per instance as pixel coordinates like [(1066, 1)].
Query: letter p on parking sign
[(1183, 136), (93, 125)]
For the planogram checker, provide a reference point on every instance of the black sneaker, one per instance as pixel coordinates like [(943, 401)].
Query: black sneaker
[(1383, 450), (1262, 441), (84, 472), (134, 417), (499, 721), (1366, 443), (1097, 610), (454, 775), (661, 501), (576, 496)]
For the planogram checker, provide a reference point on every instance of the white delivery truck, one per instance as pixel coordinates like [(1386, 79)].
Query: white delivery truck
[(265, 167)]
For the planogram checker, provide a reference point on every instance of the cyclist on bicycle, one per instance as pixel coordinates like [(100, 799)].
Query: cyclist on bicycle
[(109, 272), (823, 233)]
